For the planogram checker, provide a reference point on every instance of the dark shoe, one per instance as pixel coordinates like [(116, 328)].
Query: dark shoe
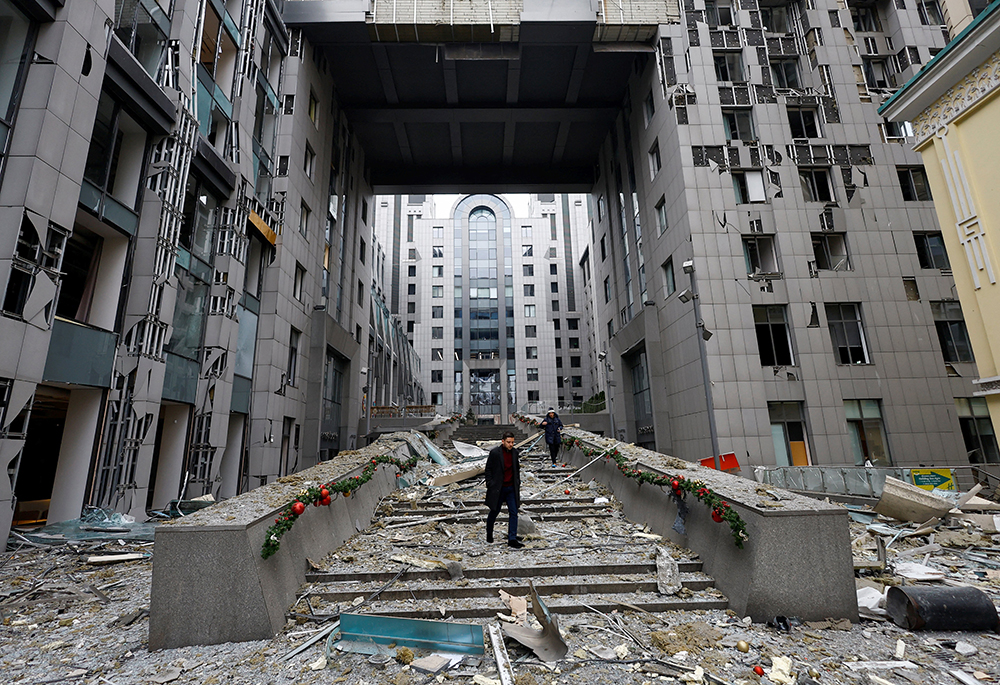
[(520, 539), (515, 544), (489, 537)]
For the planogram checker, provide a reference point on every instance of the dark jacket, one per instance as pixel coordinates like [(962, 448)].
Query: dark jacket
[(494, 478), (552, 426)]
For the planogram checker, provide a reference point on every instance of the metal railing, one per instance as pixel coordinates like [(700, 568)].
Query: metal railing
[(863, 481)]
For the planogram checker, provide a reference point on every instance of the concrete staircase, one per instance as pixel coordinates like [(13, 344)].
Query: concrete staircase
[(472, 434)]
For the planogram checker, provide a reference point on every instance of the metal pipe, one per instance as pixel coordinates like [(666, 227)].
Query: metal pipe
[(706, 380), (941, 608)]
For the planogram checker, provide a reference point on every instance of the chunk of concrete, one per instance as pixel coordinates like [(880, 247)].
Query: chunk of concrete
[(906, 502)]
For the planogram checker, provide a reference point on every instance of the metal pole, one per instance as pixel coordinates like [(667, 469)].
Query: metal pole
[(703, 354)]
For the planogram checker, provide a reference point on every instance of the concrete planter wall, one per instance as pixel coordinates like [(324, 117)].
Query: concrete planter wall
[(210, 584), (797, 561)]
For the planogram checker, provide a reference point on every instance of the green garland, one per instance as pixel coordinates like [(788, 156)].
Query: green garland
[(322, 496), (721, 511)]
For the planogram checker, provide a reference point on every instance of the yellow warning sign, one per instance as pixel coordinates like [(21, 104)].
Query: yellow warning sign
[(929, 479)]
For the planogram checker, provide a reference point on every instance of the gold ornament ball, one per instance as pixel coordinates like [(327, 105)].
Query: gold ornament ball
[(743, 646)]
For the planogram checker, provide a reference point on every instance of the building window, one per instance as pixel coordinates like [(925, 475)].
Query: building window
[(526, 232), (555, 305), (411, 288), (738, 124), (313, 108), (554, 287), (555, 324), (611, 328), (437, 354), (532, 374), (531, 352), (437, 332), (864, 426), (952, 334), (830, 251), (291, 369), (876, 73), (362, 249), (729, 66), (648, 108), (437, 376), (604, 248), (437, 312), (758, 252), (607, 289), (804, 122), (409, 327), (977, 430), (815, 184), (437, 272), (866, 19), (437, 291), (558, 345), (847, 333), (654, 159), (552, 253), (437, 252), (531, 331), (773, 338), (661, 215), (774, 19), (930, 250), (601, 210), (913, 181), (528, 270), (529, 311), (785, 73), (117, 144), (411, 270), (411, 308), (553, 269), (529, 289), (574, 343), (309, 161), (412, 253), (930, 13), (788, 431), (300, 277), (574, 362), (668, 277), (527, 250), (304, 214), (748, 186), (533, 395), (437, 232), (718, 13), (573, 324), (437, 398), (576, 381)]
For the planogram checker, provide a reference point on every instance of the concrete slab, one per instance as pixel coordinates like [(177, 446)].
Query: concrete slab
[(210, 584)]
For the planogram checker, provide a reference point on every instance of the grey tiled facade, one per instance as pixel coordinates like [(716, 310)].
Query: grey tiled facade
[(492, 301)]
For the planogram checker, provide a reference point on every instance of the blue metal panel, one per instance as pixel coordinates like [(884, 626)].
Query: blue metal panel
[(462, 638)]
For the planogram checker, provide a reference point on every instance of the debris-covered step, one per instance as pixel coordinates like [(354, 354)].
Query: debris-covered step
[(557, 604), (498, 572), (578, 586)]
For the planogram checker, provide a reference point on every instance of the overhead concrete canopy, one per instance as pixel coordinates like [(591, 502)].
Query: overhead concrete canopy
[(480, 95)]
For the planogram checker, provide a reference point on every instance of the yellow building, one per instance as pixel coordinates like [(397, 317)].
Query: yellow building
[(953, 105)]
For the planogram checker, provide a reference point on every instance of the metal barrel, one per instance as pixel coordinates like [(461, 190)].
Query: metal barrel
[(941, 608)]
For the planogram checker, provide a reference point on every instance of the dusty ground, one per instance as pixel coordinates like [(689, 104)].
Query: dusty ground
[(64, 620)]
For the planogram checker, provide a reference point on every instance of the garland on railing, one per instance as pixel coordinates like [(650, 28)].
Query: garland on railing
[(322, 496), (721, 511)]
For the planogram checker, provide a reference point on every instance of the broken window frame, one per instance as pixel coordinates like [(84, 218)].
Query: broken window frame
[(951, 331), (29, 261), (931, 252), (738, 124), (774, 337), (804, 122), (847, 333), (816, 184), (788, 425), (729, 64), (785, 73), (977, 430), (867, 432), (746, 188), (913, 184), (760, 255), (830, 251)]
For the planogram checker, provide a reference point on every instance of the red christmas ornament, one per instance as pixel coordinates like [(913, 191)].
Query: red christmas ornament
[(758, 670), (325, 501), (324, 493), (675, 484), (298, 508), (566, 491), (717, 515)]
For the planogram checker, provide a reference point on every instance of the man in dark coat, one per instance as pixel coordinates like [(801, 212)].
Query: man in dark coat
[(503, 485), (553, 426)]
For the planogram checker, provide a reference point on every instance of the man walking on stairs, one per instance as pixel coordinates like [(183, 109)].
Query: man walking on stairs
[(553, 427), (503, 485)]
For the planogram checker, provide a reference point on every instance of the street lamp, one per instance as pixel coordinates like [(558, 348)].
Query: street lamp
[(704, 335), (602, 357)]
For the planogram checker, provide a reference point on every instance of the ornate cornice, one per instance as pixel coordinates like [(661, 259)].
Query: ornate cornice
[(976, 86)]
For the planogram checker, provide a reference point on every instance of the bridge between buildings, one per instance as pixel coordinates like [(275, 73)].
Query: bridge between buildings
[(484, 95)]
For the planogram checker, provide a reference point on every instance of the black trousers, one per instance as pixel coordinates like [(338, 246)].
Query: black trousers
[(554, 451)]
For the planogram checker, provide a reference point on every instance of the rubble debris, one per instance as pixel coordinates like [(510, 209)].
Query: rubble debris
[(469, 451), (941, 608), (668, 575), (433, 664), (906, 502), (504, 667), (458, 472), (546, 643), (104, 559)]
